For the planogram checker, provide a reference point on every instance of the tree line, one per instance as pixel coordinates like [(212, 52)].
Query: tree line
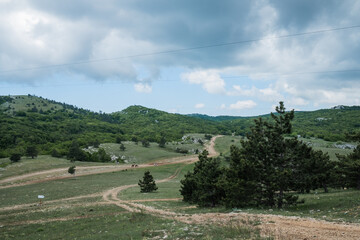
[(270, 169)]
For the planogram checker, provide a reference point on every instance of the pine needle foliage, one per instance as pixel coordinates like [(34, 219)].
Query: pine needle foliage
[(148, 183)]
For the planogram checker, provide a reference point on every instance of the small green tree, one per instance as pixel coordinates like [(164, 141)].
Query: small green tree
[(201, 186), (122, 147), (134, 139), (31, 151), (55, 153), (240, 181), (96, 144), (100, 156), (208, 136), (72, 170), (162, 142), (145, 143), (15, 157), (75, 153), (148, 183), (350, 168)]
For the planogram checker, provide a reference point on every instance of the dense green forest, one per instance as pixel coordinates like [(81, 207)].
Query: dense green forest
[(329, 124), (30, 120), (34, 121), (270, 169)]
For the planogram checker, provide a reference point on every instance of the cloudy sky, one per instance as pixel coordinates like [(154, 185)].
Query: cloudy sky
[(213, 57)]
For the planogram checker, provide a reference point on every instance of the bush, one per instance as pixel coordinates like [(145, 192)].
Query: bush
[(15, 157)]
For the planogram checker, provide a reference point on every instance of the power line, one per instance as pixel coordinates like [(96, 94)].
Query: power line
[(296, 73), (163, 80), (180, 49)]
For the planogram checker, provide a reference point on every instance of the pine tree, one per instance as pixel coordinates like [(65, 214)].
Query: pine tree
[(279, 166), (349, 167), (202, 186), (122, 147), (15, 157), (162, 142), (145, 143), (31, 151), (148, 183), (72, 170), (240, 181), (75, 153)]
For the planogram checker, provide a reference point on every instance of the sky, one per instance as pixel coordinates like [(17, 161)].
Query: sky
[(211, 57)]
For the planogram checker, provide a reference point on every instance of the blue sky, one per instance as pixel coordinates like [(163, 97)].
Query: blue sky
[(307, 72)]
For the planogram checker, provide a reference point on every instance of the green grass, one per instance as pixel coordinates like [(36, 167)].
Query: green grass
[(136, 153), (83, 185), (327, 147), (338, 205), (126, 226), (25, 103), (62, 211), (333, 151), (222, 144), (169, 189), (40, 163)]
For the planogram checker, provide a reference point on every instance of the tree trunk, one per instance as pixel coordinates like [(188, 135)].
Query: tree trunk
[(325, 188), (280, 200)]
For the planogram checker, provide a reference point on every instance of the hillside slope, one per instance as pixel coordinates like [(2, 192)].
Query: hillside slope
[(30, 120)]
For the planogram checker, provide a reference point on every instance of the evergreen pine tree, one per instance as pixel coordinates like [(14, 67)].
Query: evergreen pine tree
[(240, 181), (202, 186), (72, 170), (279, 166), (31, 151), (349, 168), (148, 183), (162, 142), (122, 147)]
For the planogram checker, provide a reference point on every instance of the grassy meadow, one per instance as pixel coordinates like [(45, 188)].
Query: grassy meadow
[(89, 218), (74, 208)]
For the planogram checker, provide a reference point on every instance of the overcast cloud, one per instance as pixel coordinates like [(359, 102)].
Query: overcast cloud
[(42, 33)]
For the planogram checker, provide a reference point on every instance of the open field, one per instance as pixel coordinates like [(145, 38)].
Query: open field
[(40, 163), (136, 153), (109, 205), (223, 144)]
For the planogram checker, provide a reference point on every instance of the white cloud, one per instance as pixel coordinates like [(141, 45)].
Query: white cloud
[(223, 106), (209, 79), (199, 105), (269, 94), (239, 105), (297, 101), (143, 88)]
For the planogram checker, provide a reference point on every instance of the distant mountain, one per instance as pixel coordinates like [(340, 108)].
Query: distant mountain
[(30, 120)]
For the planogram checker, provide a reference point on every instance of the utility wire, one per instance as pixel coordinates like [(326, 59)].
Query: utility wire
[(168, 80), (296, 73), (180, 50)]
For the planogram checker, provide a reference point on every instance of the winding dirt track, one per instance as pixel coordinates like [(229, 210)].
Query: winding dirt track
[(281, 227), (61, 173)]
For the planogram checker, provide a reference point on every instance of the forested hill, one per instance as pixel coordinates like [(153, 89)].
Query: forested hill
[(329, 124), (145, 122), (30, 120)]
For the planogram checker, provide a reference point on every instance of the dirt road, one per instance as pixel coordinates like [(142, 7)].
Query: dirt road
[(280, 227), (61, 173)]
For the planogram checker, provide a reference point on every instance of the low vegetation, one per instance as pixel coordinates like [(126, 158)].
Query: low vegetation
[(269, 169)]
